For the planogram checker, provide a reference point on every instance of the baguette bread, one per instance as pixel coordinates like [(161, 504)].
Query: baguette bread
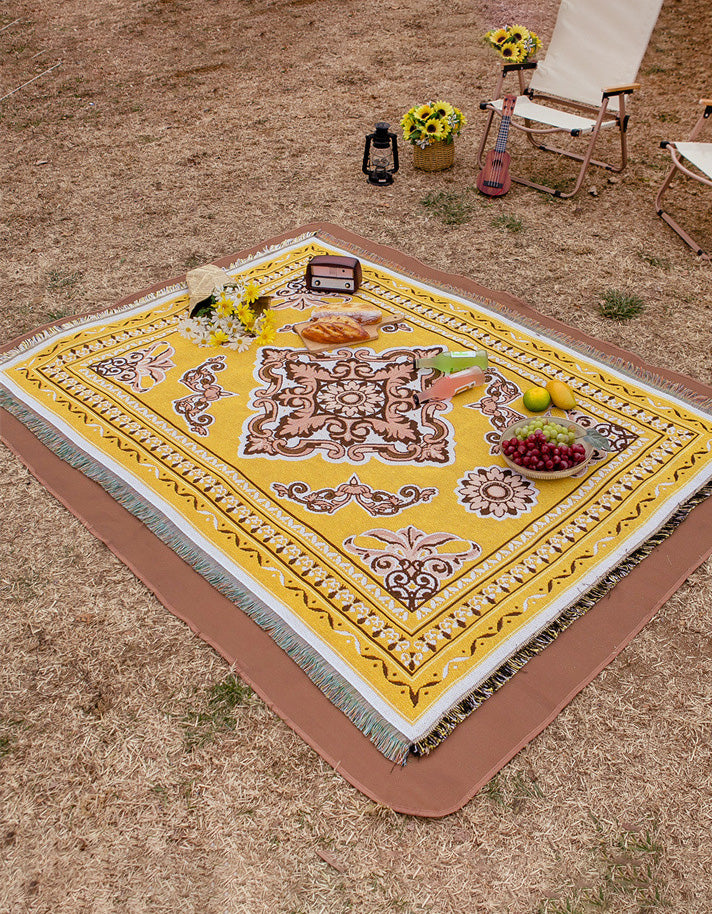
[(335, 330), (360, 313)]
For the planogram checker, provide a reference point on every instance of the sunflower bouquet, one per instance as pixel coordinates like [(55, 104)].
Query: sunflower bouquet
[(426, 124), (233, 315), (514, 43)]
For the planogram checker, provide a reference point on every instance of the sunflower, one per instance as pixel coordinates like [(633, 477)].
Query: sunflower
[(514, 52), (443, 110), (408, 124), (508, 39), (518, 33), (424, 124), (436, 130)]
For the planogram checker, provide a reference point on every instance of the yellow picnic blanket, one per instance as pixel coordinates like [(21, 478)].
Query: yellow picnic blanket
[(384, 543)]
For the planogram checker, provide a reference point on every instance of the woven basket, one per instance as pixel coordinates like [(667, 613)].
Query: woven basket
[(436, 157)]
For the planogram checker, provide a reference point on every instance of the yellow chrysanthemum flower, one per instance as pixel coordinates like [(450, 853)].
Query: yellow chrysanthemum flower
[(217, 338), (245, 315), (267, 335), (424, 112), (267, 331), (252, 293), (223, 307), (443, 109)]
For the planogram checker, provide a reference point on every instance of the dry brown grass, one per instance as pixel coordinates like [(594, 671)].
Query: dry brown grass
[(178, 131)]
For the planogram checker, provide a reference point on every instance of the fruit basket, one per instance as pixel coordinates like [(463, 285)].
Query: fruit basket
[(573, 448)]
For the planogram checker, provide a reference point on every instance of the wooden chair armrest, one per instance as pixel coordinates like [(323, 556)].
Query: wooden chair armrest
[(620, 90), (706, 101)]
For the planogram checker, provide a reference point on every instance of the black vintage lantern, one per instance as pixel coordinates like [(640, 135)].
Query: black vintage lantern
[(380, 156)]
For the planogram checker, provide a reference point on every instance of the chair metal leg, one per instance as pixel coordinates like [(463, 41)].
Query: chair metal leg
[(481, 151), (674, 225)]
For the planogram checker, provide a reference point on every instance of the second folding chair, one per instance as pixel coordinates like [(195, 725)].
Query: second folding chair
[(692, 159)]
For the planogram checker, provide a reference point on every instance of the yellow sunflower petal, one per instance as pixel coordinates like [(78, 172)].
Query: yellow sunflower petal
[(443, 109), (518, 33)]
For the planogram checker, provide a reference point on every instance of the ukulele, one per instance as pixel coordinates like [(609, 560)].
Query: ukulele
[(494, 179)]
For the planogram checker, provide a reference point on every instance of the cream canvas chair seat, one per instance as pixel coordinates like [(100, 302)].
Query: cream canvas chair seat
[(556, 118), (685, 157), (581, 86)]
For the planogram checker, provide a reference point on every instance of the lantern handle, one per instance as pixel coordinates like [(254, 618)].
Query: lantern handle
[(367, 149), (395, 151)]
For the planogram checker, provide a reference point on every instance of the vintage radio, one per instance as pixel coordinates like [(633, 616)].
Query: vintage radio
[(330, 273)]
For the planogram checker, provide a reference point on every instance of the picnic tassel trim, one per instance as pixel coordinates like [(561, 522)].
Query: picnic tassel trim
[(542, 640), (393, 744)]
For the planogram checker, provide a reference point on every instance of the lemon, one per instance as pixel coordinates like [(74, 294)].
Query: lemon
[(537, 399), (561, 394)]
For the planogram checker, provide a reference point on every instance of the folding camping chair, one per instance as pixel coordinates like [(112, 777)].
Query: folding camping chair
[(581, 86), (697, 155)]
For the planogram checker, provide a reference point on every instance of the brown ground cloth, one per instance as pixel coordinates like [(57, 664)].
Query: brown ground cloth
[(443, 781)]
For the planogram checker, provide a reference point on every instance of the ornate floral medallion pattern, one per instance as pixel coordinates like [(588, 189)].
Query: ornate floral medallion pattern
[(201, 380), (496, 492), (412, 565), (346, 405), (141, 369), (377, 502)]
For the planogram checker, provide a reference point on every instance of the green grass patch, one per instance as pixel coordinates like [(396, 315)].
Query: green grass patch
[(510, 223), (63, 280), (195, 260), (655, 68), (511, 791), (7, 734), (56, 314), (620, 306), (563, 185), (217, 716), (450, 207), (661, 262)]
